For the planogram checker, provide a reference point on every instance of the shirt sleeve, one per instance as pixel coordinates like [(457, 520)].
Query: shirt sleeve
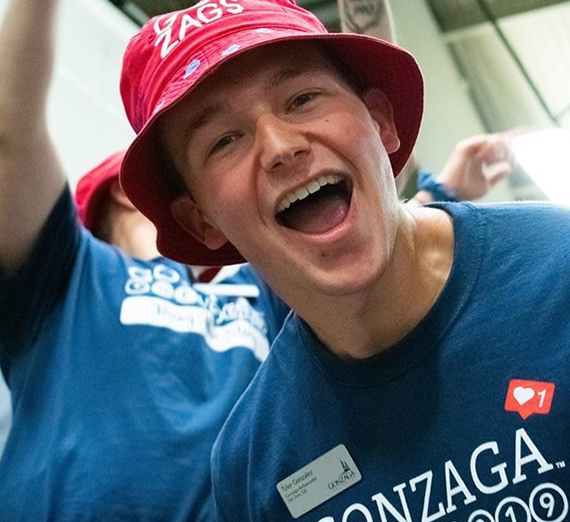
[(30, 293)]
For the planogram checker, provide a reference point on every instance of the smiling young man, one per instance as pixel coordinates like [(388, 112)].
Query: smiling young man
[(416, 380)]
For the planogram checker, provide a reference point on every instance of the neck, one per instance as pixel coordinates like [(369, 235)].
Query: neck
[(393, 305), (134, 234)]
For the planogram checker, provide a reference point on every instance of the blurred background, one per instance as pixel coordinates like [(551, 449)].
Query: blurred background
[(489, 65)]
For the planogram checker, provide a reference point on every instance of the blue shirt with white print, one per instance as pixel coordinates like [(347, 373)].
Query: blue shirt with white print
[(467, 419), (122, 373)]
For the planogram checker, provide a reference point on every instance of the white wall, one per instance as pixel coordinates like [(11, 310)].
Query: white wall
[(85, 112), (449, 112)]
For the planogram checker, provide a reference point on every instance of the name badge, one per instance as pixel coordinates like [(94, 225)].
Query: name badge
[(318, 481)]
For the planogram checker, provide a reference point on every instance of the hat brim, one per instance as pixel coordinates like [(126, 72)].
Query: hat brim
[(371, 62)]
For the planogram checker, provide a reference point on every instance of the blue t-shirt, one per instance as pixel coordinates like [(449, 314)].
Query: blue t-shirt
[(122, 374), (467, 419)]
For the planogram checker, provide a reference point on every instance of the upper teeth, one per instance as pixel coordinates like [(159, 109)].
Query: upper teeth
[(309, 188)]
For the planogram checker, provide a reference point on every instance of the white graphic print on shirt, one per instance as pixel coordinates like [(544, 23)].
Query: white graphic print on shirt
[(160, 297)]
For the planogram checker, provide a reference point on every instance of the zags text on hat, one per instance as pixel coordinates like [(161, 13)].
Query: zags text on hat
[(203, 12)]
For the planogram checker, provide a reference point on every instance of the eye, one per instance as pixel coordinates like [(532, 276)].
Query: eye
[(302, 99), (222, 143)]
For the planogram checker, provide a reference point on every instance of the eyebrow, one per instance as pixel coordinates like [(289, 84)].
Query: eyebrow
[(202, 118), (283, 76)]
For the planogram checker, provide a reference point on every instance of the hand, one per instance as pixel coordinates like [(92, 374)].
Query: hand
[(478, 163)]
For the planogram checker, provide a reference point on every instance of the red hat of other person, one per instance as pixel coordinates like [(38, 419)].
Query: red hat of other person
[(93, 188), (173, 53)]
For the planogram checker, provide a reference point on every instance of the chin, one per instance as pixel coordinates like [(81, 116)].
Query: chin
[(349, 281)]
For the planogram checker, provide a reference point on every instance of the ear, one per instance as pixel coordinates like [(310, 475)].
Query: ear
[(381, 111), (189, 216), (119, 196)]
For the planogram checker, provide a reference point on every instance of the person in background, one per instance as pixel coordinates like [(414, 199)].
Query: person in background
[(121, 367), (475, 165), (424, 372)]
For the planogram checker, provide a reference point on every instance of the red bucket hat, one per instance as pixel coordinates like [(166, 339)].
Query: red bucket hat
[(93, 188), (173, 53)]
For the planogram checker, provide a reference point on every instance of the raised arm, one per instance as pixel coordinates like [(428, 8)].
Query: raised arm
[(31, 176), (474, 166)]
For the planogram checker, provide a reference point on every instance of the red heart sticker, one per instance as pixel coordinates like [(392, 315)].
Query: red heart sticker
[(528, 397)]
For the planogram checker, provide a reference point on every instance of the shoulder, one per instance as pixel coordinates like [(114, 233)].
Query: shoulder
[(536, 222), (516, 246), (523, 211), (533, 224)]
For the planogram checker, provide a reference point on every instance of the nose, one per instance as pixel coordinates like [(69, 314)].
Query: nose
[(283, 144)]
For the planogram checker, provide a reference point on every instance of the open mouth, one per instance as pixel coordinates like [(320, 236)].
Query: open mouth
[(317, 207)]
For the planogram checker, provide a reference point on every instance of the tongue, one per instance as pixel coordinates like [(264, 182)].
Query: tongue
[(316, 215)]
